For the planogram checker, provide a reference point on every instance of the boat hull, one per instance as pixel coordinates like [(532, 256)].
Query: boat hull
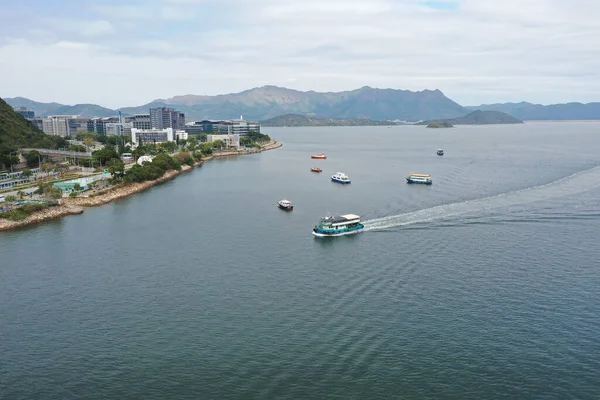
[(319, 233), (340, 181), (286, 208), (319, 157), (418, 182), (316, 170)]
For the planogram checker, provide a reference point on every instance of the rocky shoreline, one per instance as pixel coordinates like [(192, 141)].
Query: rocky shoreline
[(47, 214), (75, 205)]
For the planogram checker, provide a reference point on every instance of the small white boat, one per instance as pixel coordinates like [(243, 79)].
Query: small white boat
[(340, 177), (285, 205)]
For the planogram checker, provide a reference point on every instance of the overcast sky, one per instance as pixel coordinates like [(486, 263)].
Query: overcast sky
[(120, 53)]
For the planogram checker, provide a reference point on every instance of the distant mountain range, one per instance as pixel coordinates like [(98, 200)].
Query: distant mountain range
[(303, 120), (477, 117), (529, 111), (44, 109), (366, 103)]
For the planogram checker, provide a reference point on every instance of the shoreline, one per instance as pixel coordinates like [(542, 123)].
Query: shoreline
[(73, 206), (47, 214)]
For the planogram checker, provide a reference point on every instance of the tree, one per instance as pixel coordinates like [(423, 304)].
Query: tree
[(218, 144), (46, 167), (27, 173), (33, 158), (88, 142), (116, 168), (104, 155), (77, 187), (77, 147), (168, 147), (49, 191)]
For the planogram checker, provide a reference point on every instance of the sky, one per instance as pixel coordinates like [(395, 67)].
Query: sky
[(130, 52)]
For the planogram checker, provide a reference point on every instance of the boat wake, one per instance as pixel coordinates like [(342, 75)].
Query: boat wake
[(577, 183)]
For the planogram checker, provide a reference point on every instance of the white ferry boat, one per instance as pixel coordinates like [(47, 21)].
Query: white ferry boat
[(338, 226), (424, 179), (340, 177)]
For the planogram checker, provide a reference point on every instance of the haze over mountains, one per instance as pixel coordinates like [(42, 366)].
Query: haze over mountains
[(365, 103)]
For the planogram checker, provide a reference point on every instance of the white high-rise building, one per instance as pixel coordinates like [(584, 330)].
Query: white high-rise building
[(58, 125)]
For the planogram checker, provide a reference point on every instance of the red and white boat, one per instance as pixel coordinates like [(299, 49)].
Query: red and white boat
[(319, 156), (316, 169)]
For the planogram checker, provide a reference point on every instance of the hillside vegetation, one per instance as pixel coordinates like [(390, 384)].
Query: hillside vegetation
[(16, 132)]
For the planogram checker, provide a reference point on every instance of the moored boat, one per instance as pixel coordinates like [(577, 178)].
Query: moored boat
[(424, 179), (285, 205), (321, 156), (337, 226), (440, 152), (316, 169), (340, 177)]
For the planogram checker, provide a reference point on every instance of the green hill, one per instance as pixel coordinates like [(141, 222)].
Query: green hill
[(478, 117), (303, 120), (17, 132)]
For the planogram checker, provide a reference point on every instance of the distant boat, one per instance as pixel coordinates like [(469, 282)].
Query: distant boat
[(316, 169), (340, 177), (319, 156), (424, 179), (285, 205), (440, 152), (338, 226)]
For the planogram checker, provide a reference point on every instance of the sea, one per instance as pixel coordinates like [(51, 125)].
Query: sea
[(484, 285)]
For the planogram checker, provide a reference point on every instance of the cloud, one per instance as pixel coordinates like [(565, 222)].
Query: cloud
[(173, 10), (94, 28), (476, 51)]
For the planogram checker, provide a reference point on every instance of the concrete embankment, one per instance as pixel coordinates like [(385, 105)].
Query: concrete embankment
[(47, 214)]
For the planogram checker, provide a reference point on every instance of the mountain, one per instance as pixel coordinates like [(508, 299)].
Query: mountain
[(266, 102), (303, 120), (45, 109), (529, 111), (271, 101), (16, 131), (478, 117)]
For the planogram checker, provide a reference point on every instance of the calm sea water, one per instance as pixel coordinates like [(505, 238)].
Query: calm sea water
[(484, 285)]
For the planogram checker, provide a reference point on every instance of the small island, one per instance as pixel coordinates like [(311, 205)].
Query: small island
[(440, 124), (477, 117)]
